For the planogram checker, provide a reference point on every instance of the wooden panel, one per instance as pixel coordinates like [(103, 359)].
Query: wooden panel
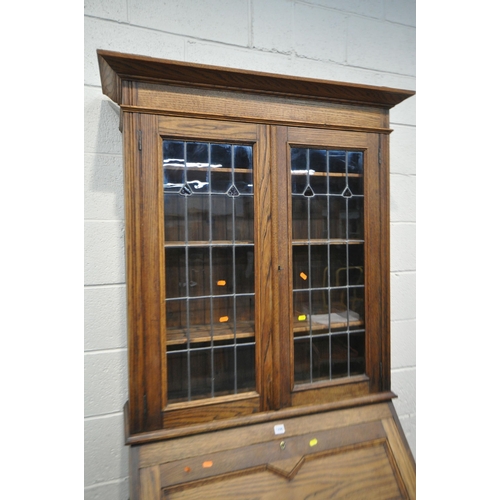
[(191, 128), (356, 474), (402, 458), (298, 136), (309, 394), (385, 264), (282, 270), (212, 442), (376, 269), (181, 415), (284, 459), (264, 109), (355, 453), (263, 240), (134, 477), (150, 483), (144, 248)]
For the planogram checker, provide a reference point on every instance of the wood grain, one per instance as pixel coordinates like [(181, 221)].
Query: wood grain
[(342, 438), (181, 101), (116, 67), (254, 431), (356, 474), (356, 453)]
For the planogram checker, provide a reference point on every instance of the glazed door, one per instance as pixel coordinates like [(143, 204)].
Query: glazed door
[(330, 256), (216, 252), (265, 253)]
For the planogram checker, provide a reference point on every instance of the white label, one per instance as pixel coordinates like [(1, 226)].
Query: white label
[(279, 429)]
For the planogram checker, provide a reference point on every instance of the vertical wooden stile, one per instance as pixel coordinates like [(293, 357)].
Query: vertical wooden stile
[(385, 287), (263, 270), (282, 268), (133, 272)]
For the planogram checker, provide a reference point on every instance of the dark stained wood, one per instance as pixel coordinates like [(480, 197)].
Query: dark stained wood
[(116, 67)]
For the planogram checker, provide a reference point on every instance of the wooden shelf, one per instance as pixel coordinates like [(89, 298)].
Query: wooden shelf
[(216, 243), (303, 326), (203, 333), (227, 243), (326, 242)]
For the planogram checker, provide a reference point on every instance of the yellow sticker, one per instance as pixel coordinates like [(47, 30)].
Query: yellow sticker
[(223, 319), (313, 442), (221, 283), (302, 317), (303, 276)]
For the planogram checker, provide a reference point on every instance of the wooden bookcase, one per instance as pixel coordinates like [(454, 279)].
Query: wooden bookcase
[(257, 246)]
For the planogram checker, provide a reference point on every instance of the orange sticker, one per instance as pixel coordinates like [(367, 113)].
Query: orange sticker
[(221, 283), (302, 317), (187, 469), (303, 276), (207, 464), (223, 319)]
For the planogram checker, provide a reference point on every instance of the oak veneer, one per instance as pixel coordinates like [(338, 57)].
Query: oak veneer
[(342, 435)]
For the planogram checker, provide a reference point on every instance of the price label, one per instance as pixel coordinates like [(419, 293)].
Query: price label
[(279, 429)]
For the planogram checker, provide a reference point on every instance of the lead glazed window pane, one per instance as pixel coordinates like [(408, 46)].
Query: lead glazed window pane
[(328, 263), (209, 264)]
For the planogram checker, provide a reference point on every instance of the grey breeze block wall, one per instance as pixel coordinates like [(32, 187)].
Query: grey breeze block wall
[(361, 41)]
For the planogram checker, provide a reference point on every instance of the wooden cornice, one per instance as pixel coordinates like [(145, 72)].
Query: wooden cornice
[(115, 68)]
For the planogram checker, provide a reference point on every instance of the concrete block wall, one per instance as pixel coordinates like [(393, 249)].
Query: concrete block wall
[(361, 41)]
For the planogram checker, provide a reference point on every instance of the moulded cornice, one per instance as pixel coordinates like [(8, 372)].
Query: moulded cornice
[(116, 67)]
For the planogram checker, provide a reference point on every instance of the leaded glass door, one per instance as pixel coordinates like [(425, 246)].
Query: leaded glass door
[(333, 312), (209, 255), (267, 266), (328, 263), (213, 251)]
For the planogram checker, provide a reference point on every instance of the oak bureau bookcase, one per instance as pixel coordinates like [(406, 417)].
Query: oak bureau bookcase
[(257, 249)]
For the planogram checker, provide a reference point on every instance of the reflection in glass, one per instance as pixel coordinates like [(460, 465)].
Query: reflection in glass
[(328, 263), (209, 266)]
